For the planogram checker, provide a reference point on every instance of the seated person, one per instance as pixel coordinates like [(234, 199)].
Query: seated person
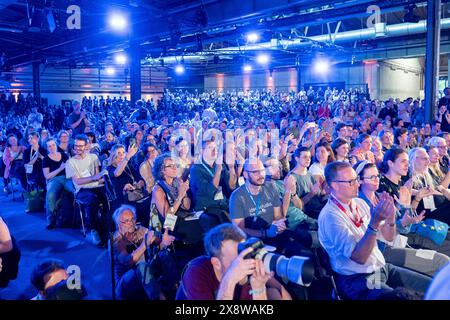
[(150, 153), (9, 256), (84, 170), (51, 274), (348, 232), (133, 280), (170, 196), (13, 161), (369, 178), (53, 166), (32, 158), (223, 274), (255, 207), (304, 228), (309, 190), (208, 181), (125, 179)]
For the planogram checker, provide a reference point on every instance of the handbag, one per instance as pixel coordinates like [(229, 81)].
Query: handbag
[(432, 229), (135, 195)]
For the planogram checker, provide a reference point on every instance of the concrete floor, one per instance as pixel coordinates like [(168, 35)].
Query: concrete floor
[(37, 244)]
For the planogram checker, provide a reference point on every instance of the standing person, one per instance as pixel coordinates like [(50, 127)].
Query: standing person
[(77, 119), (348, 231), (53, 167), (84, 170)]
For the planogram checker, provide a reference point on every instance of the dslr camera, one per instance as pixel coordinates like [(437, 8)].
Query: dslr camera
[(299, 270)]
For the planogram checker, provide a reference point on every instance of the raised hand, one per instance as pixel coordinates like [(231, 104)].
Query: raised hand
[(132, 150), (385, 210), (404, 197)]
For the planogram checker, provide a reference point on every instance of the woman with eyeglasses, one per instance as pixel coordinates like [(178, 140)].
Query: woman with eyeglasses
[(362, 152), (170, 198), (369, 180)]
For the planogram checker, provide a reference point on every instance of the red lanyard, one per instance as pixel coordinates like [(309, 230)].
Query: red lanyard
[(359, 219)]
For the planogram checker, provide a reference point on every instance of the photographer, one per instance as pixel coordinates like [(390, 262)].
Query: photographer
[(223, 274)]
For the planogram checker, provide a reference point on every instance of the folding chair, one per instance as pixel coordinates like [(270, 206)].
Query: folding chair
[(323, 260), (81, 211)]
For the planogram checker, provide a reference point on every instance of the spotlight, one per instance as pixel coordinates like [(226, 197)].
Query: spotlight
[(247, 68), (110, 71), (263, 58), (118, 22), (252, 37), (321, 66), (120, 58), (179, 69)]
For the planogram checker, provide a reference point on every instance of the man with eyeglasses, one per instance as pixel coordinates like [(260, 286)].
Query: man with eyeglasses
[(255, 207), (84, 170), (348, 231)]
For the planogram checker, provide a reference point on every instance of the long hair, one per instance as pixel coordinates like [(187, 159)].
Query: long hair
[(414, 173)]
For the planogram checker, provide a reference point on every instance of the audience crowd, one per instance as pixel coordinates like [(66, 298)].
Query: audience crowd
[(357, 185)]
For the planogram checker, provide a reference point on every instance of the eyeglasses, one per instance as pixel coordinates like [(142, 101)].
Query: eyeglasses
[(79, 146), (257, 171), (173, 166), (350, 182), (127, 221), (377, 176)]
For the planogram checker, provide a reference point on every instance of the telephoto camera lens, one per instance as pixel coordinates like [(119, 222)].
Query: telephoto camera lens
[(299, 270)]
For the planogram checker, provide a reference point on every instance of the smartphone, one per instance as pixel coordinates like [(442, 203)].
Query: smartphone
[(132, 142)]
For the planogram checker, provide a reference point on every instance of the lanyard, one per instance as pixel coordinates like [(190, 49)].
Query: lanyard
[(208, 169), (256, 203), (358, 222)]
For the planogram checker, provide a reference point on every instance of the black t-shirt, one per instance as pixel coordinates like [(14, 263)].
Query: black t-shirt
[(53, 165), (129, 175), (37, 167), (390, 187)]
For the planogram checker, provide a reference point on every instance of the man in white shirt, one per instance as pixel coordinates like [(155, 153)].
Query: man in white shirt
[(348, 231), (84, 171)]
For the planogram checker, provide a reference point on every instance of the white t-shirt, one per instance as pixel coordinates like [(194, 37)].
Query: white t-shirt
[(339, 236), (83, 168), (316, 169)]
